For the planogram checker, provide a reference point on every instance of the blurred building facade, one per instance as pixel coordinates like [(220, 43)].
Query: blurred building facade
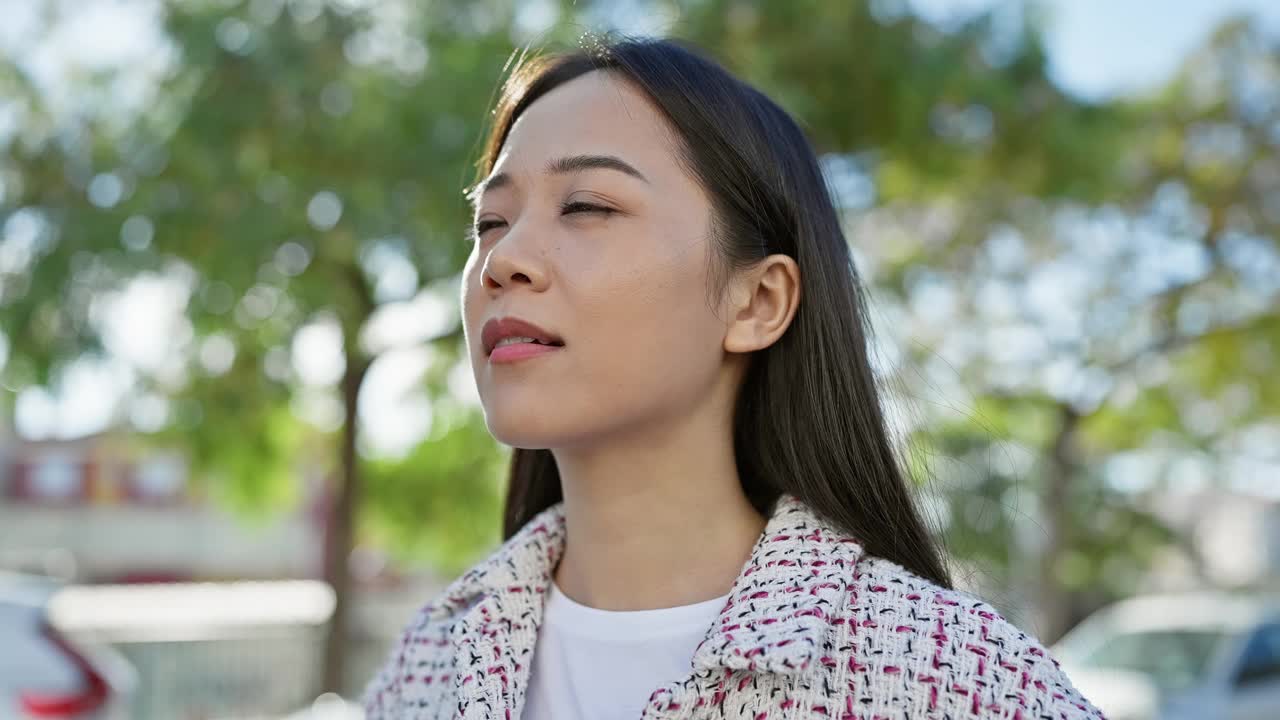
[(104, 509)]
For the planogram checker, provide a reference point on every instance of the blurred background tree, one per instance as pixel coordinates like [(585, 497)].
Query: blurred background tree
[(1062, 285)]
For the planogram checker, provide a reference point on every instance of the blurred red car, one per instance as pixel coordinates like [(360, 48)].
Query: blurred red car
[(45, 676)]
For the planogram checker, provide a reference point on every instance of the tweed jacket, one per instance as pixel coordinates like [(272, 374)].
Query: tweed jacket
[(814, 627)]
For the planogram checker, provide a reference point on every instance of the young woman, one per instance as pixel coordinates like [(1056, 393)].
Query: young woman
[(706, 517)]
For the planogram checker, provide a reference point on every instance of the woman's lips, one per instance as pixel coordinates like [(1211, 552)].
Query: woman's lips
[(496, 330), (516, 352)]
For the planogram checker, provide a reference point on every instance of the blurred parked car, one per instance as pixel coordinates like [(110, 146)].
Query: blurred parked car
[(44, 676), (1178, 657)]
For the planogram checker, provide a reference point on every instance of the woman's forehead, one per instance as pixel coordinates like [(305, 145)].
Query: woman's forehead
[(594, 114)]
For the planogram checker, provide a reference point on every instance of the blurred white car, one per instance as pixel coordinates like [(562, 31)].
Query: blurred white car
[(1178, 657), (44, 676)]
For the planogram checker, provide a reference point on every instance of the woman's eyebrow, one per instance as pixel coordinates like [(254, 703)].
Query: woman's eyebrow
[(565, 165)]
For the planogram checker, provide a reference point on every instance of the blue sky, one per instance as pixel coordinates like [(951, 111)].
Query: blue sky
[(1101, 47)]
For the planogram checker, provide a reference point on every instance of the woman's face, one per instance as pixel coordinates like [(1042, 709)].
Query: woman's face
[(612, 263)]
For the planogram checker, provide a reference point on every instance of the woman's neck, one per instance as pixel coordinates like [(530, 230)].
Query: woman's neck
[(655, 521)]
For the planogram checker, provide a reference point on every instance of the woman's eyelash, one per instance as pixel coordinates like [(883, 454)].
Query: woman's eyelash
[(573, 207), (483, 225), (579, 206)]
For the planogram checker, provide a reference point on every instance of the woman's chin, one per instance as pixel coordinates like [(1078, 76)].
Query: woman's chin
[(522, 429)]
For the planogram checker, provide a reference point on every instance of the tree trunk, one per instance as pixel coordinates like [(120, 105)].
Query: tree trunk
[(338, 541), (1050, 596)]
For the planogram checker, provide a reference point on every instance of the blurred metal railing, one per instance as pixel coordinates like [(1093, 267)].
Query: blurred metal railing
[(271, 672), (208, 650)]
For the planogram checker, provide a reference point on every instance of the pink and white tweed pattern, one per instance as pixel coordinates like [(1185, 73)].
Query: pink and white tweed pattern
[(813, 628)]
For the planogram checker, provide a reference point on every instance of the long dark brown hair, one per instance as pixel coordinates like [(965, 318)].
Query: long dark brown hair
[(808, 419)]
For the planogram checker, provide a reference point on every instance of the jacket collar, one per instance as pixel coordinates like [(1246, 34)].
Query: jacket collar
[(776, 618)]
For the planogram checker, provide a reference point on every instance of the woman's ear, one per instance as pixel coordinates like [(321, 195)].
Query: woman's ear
[(763, 300)]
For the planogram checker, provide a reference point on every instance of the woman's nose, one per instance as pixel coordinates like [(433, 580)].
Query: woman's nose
[(512, 264)]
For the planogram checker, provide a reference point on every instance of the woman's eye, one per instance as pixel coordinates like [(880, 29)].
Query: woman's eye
[(567, 208), (483, 225), (575, 207)]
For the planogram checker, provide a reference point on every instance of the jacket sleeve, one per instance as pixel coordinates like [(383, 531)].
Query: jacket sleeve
[(1004, 668), (1041, 678), (940, 652)]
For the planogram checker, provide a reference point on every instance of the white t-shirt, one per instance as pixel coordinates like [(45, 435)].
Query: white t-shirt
[(592, 664)]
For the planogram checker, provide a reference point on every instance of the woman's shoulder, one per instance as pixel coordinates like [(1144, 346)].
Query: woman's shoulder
[(417, 670), (416, 666), (948, 648)]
